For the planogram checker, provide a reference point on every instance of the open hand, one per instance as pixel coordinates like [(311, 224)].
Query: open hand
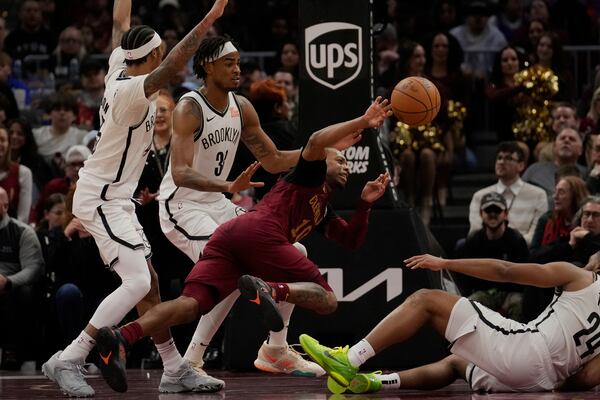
[(75, 226), (377, 112), (243, 182), (373, 190), (145, 197), (425, 261)]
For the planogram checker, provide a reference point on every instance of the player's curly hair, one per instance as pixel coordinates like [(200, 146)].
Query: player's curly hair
[(136, 37), (209, 47)]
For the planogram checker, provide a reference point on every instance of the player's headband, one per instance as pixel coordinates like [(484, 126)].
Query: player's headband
[(143, 50), (228, 47)]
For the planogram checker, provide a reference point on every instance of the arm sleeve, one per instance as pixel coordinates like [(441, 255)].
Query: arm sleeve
[(26, 185), (308, 173), (31, 259), (349, 234)]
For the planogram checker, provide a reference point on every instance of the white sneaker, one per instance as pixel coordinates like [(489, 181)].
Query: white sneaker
[(285, 360), (186, 379), (68, 374)]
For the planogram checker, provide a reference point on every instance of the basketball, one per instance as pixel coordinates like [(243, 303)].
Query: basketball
[(415, 101)]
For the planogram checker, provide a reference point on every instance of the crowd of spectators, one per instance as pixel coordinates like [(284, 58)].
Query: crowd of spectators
[(53, 58)]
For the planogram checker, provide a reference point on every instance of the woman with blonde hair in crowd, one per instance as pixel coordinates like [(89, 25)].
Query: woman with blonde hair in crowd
[(557, 223)]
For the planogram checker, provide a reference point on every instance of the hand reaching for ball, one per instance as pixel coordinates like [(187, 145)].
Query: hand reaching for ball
[(377, 112)]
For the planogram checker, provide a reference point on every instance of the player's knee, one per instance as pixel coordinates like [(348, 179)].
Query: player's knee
[(420, 298), (138, 284), (189, 308)]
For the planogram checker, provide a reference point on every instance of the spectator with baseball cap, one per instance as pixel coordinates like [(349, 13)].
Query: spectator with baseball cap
[(495, 240)]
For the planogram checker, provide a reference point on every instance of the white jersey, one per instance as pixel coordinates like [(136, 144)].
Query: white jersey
[(215, 145), (571, 327), (125, 137)]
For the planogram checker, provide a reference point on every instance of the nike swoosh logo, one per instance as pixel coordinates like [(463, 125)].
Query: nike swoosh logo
[(210, 119), (106, 359), (257, 299)]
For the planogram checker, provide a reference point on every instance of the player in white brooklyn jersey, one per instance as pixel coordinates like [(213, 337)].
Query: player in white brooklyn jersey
[(102, 200), (208, 125), (556, 351)]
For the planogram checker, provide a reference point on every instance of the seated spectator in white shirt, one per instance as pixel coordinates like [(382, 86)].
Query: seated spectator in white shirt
[(54, 140), (526, 202)]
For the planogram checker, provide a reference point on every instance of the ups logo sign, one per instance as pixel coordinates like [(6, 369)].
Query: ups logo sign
[(333, 53)]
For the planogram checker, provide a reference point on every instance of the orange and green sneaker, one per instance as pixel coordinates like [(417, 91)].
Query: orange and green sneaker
[(334, 361), (365, 383)]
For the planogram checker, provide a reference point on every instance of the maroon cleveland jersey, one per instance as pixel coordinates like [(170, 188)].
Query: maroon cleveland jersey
[(297, 203)]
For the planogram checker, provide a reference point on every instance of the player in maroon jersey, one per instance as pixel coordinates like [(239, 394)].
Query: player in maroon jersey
[(258, 246)]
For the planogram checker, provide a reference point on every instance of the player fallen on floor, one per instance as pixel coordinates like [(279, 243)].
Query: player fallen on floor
[(556, 351)]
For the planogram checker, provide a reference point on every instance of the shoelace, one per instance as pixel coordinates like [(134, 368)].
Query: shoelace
[(293, 348), (339, 350)]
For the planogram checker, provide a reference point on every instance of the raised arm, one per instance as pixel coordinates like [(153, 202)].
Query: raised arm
[(183, 51), (121, 21), (345, 134), (261, 145), (187, 119), (554, 274)]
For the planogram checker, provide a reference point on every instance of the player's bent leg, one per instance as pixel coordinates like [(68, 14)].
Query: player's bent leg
[(423, 307), (312, 296), (435, 375)]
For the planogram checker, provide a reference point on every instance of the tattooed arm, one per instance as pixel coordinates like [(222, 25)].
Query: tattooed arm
[(121, 21), (261, 145), (187, 120), (183, 51)]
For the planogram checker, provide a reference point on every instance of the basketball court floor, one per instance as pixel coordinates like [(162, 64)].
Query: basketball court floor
[(143, 385)]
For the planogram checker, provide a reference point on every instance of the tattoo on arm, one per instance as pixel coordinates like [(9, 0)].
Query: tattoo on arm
[(308, 295), (256, 145), (176, 59)]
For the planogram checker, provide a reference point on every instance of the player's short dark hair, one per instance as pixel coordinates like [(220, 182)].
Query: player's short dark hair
[(209, 48), (511, 147), (136, 37)]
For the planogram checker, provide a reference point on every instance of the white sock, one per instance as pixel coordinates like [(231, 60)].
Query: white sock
[(79, 348), (280, 338), (170, 356), (389, 381), (207, 327), (360, 353)]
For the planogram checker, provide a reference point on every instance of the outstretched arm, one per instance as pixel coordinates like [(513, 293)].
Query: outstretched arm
[(541, 275), (183, 51), (345, 134), (121, 21), (586, 378), (261, 145), (187, 119)]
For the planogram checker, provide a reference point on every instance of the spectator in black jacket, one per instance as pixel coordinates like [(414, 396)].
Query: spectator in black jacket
[(494, 240)]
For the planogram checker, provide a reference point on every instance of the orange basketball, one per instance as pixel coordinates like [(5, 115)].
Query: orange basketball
[(415, 101)]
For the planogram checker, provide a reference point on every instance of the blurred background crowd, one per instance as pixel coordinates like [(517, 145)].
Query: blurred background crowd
[(520, 88)]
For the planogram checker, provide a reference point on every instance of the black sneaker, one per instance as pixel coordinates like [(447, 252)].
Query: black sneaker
[(258, 292), (111, 346)]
